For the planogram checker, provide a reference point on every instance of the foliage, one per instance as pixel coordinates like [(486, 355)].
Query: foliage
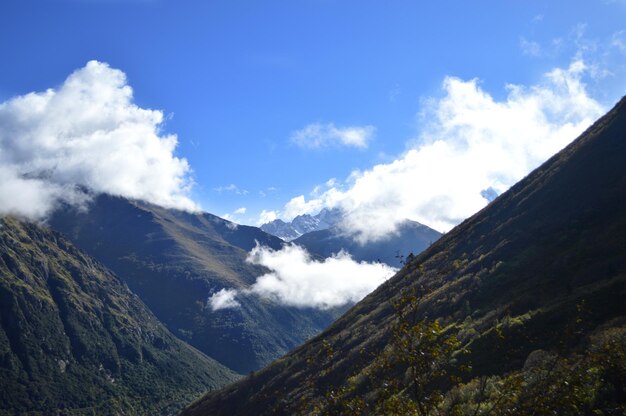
[(591, 382)]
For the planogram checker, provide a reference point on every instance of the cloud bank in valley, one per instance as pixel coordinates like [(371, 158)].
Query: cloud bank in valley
[(86, 133), (469, 142), (295, 279), (298, 280)]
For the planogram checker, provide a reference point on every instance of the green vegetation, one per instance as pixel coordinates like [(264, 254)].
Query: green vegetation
[(408, 376), (74, 340), (587, 382)]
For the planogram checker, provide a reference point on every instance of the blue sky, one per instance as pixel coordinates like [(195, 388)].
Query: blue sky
[(238, 82)]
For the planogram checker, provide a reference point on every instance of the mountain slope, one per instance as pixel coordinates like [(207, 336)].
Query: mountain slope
[(73, 338), (175, 261), (506, 282), (411, 238)]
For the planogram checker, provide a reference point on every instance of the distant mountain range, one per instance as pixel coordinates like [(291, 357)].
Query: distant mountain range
[(303, 224), (75, 340), (518, 310), (174, 261), (323, 236), (410, 239)]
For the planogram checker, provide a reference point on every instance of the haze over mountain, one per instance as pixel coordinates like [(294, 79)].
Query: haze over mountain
[(512, 279), (75, 340), (186, 267)]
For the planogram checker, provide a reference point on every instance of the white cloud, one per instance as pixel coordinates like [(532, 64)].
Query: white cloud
[(86, 133), (233, 217), (231, 188), (334, 196), (319, 135), (297, 280), (224, 299), (468, 143), (229, 217), (298, 205), (267, 216)]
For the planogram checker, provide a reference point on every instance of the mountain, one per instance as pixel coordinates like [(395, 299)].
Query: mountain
[(303, 224), (75, 340), (322, 237), (175, 261), (518, 310), (411, 238)]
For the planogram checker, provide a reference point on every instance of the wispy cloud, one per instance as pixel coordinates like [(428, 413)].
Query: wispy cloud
[(234, 216), (231, 188), (618, 40), (394, 92), (530, 48), (88, 133), (298, 280), (317, 135)]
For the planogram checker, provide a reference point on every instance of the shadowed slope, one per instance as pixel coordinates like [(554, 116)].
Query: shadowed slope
[(555, 239)]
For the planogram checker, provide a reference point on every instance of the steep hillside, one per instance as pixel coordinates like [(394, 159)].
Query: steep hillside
[(75, 340), (175, 261), (411, 238), (543, 267)]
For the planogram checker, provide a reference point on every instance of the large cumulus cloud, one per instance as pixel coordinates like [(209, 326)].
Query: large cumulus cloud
[(86, 134)]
